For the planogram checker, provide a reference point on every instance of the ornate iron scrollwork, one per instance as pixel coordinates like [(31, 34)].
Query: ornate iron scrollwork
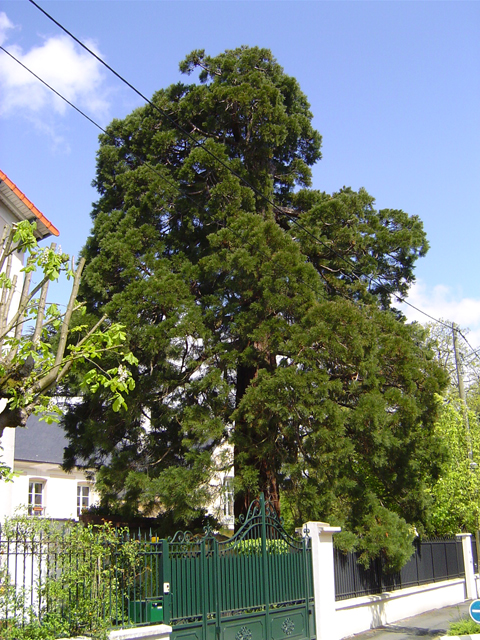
[(181, 537)]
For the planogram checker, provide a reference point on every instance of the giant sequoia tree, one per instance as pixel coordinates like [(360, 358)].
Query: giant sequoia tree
[(259, 309)]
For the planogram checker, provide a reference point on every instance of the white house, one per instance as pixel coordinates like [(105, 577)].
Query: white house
[(41, 487), (36, 452)]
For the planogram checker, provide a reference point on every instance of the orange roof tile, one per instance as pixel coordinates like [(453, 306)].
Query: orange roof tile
[(21, 199)]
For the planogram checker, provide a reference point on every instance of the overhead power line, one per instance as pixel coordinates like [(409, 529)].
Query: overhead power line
[(165, 115), (474, 353), (172, 121), (142, 162), (197, 143), (52, 89)]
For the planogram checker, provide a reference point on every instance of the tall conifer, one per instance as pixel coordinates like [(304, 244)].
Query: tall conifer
[(260, 311)]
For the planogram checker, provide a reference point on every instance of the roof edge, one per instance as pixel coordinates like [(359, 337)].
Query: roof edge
[(36, 212)]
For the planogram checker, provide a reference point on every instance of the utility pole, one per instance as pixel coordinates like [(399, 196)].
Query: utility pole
[(461, 389), (473, 465)]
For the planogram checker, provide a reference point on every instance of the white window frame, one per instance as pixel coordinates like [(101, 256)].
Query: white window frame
[(81, 487), (36, 499), (227, 498)]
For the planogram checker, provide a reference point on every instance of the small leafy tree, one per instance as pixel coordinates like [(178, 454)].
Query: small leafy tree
[(34, 361), (455, 495)]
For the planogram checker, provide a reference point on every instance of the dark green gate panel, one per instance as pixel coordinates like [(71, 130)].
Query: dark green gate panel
[(244, 629), (256, 586), (193, 631), (292, 624)]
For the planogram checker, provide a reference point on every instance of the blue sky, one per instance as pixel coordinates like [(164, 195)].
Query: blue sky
[(394, 88)]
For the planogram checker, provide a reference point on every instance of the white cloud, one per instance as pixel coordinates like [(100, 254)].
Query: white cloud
[(5, 25), (63, 65), (442, 303)]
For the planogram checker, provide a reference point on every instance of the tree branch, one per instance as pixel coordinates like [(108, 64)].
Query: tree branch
[(51, 377)]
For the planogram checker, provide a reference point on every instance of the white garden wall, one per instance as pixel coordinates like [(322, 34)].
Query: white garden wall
[(338, 619), (368, 612)]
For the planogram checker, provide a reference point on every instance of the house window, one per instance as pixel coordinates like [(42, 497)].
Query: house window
[(36, 498), (228, 497), (83, 498)]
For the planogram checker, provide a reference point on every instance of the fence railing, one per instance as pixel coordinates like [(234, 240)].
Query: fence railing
[(432, 561), (84, 578), (90, 579)]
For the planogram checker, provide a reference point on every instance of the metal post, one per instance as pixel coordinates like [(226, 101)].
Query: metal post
[(166, 579), (204, 590), (266, 586), (461, 389), (307, 568), (218, 587), (473, 465)]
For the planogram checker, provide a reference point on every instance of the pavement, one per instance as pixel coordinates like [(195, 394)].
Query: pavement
[(429, 625)]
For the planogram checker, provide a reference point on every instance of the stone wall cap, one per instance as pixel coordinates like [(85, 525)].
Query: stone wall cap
[(151, 632), (322, 526)]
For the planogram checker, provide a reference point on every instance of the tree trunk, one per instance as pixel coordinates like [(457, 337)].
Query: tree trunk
[(246, 455), (12, 418)]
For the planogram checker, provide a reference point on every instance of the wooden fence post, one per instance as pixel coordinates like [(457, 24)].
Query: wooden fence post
[(321, 534)]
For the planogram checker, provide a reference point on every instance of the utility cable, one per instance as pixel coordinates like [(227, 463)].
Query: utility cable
[(142, 162), (474, 352), (197, 143), (397, 297), (52, 89), (165, 115)]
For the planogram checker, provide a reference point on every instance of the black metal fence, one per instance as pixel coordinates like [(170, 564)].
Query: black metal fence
[(88, 579), (432, 561)]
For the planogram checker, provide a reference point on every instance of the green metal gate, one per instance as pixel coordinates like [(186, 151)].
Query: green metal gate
[(256, 586)]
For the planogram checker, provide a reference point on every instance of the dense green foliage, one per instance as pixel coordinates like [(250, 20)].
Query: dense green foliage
[(456, 494), (260, 313), (463, 627)]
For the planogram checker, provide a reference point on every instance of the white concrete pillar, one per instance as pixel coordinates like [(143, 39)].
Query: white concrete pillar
[(470, 585), (321, 534)]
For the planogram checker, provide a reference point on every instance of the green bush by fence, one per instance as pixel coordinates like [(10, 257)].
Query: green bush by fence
[(64, 582)]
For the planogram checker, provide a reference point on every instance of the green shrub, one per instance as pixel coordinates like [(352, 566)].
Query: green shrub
[(86, 573), (253, 547), (464, 627)]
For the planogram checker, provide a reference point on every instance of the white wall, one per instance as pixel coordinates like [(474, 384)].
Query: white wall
[(7, 218), (335, 620), (368, 612), (220, 492), (7, 441), (60, 497)]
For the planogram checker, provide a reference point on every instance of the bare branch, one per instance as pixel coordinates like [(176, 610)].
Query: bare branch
[(45, 382), (3, 299), (23, 304), (67, 366), (41, 305), (42, 301), (6, 244)]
